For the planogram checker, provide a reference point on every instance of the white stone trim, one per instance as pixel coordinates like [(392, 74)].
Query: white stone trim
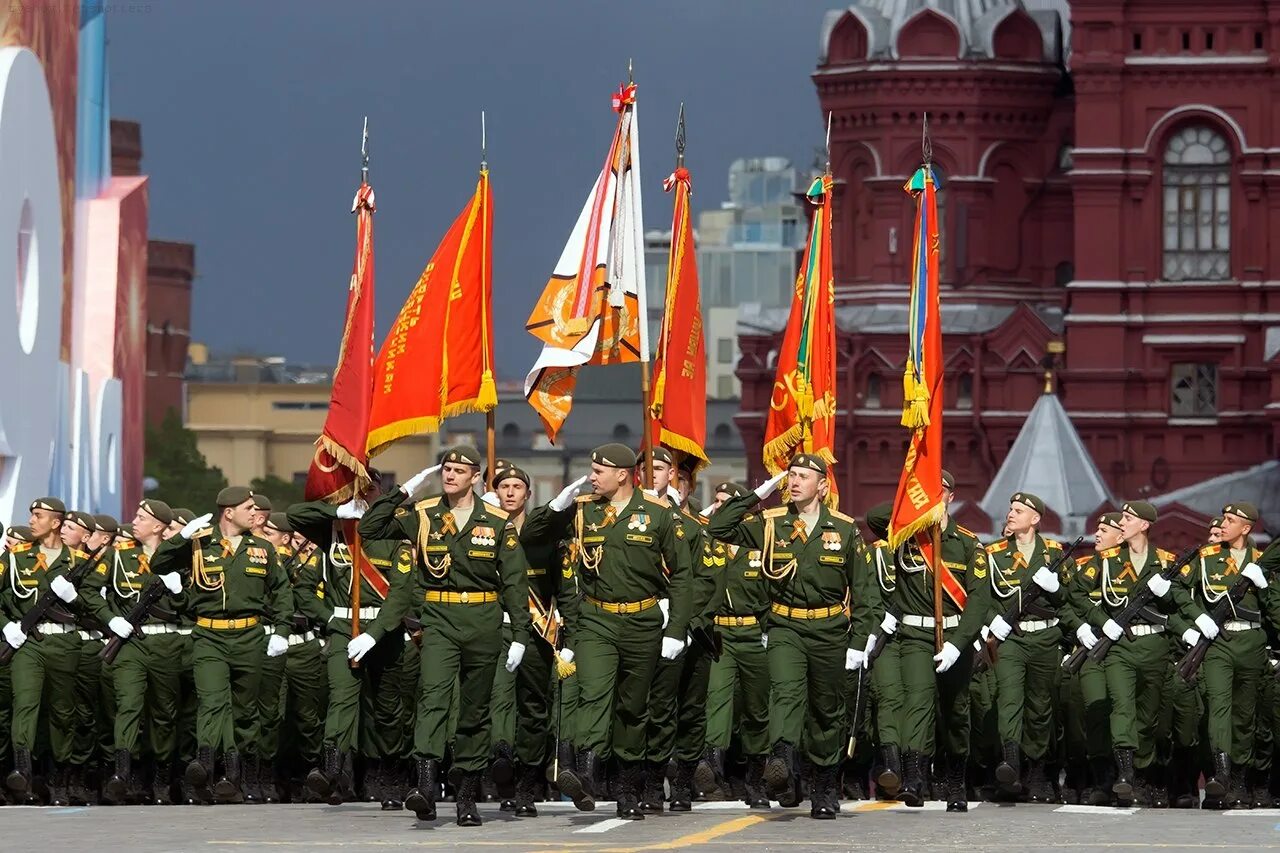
[(1226, 118), (1159, 340), (1196, 60), (1137, 319)]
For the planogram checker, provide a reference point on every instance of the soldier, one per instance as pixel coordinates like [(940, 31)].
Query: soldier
[(471, 559), (145, 675), (233, 581), (824, 600), (629, 552), (738, 686), (936, 694), (188, 702), (78, 530), (1029, 661), (261, 514), (1234, 665), (886, 675)]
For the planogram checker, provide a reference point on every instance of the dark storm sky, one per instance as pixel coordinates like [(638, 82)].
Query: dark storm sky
[(251, 118)]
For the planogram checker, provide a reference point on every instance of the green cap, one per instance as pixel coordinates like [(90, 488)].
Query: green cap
[(510, 472), (809, 461), (462, 455), (81, 518), (233, 496), (126, 530), (878, 519), (159, 510), (948, 482), (660, 454), (279, 521), (1110, 519), (49, 504), (614, 456), (732, 489), (105, 524), (1242, 509), (1216, 521), (1142, 509), (183, 515), (1028, 500), (262, 502), (21, 533)]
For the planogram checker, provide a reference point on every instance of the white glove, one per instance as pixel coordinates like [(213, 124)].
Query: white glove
[(63, 588), (854, 660), (1191, 636), (566, 655), (564, 500), (13, 635), (764, 640), (277, 646), (889, 624), (491, 498), (770, 486), (1254, 573), (1086, 636), (673, 495), (515, 654), (172, 582), (415, 483), (664, 604), (946, 658), (352, 509), (1159, 586), (359, 646), (872, 639), (195, 525), (1001, 628), (671, 648), (120, 626), (709, 510), (1046, 580), (984, 634), (1207, 626), (1113, 630)]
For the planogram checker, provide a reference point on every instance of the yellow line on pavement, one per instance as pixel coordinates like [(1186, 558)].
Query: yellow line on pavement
[(705, 836)]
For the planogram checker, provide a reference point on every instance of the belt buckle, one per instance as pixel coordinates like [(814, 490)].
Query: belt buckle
[(738, 621), (809, 614), (463, 597)]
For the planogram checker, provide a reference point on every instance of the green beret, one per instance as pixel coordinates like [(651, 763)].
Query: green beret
[(660, 454), (233, 496), (105, 524), (1242, 509), (462, 455), (1028, 499), (810, 461), (948, 482), (732, 489), (1215, 522), (183, 515), (82, 518), (262, 502), (499, 465), (159, 510), (279, 521), (510, 472), (878, 519), (1142, 509), (21, 533), (614, 456), (126, 530), (1110, 519), (50, 504)]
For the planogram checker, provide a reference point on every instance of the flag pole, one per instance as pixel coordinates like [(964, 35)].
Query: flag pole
[(491, 416), (355, 538), (926, 154), (646, 393)]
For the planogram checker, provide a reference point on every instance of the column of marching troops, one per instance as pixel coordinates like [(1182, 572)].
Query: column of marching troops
[(621, 645)]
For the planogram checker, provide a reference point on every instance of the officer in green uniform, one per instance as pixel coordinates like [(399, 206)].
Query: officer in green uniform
[(629, 550), (1029, 661), (78, 528), (886, 675), (936, 685), (1235, 663), (470, 559), (43, 673), (232, 581), (738, 687), (823, 602), (188, 702), (366, 711), (145, 674)]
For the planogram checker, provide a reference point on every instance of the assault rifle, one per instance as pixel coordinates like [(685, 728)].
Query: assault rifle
[(47, 602), (1221, 612)]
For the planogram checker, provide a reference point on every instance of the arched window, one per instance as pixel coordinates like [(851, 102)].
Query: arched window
[(1197, 206), (873, 391), (964, 392)]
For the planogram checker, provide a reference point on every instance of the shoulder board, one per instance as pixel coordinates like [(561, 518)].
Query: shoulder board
[(997, 547), (22, 546), (204, 534), (588, 499), (427, 503), (842, 516), (1166, 556), (1110, 552), (660, 501), (125, 546), (283, 551), (880, 543), (1080, 561), (1052, 544), (775, 512), (1206, 551), (497, 512), (79, 555), (700, 520), (966, 531)]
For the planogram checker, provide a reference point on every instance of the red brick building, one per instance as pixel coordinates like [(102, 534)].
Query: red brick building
[(1111, 192)]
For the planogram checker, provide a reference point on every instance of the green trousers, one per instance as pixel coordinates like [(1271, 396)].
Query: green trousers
[(366, 709), (1233, 669), (270, 706), (188, 700), (228, 670), (934, 706), (887, 693), (1026, 672), (564, 711), (807, 686), (461, 643), (738, 692), (616, 654), (92, 728), (304, 702), (145, 680), (677, 725), (6, 718), (535, 687), (984, 719), (1137, 672), (43, 675), (409, 666), (1097, 709), (1264, 721), (502, 704)]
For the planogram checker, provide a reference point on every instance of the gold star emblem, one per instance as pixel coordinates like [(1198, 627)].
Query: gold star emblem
[(593, 527), (437, 536)]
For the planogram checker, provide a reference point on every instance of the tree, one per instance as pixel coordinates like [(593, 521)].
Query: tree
[(280, 492), (183, 476)]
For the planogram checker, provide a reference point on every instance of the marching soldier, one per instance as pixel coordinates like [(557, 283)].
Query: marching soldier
[(471, 559), (886, 675), (823, 603), (1029, 661), (233, 581), (628, 546), (79, 533)]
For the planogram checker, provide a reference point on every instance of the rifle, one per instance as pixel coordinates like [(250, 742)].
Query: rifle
[(1027, 596), (881, 642), (1138, 600), (47, 602), (1221, 611)]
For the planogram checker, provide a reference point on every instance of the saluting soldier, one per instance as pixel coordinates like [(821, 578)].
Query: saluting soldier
[(1029, 661), (234, 584), (628, 546), (823, 602), (738, 685), (470, 559)]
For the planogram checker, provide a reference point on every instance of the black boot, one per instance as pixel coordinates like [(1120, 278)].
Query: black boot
[(889, 779), (779, 769), (682, 786), (267, 782), (19, 779), (708, 776), (912, 791), (1259, 796), (1009, 770), (252, 764), (1215, 787), (1074, 783), (578, 782), (465, 801), (527, 783), (77, 790), (422, 799), (198, 774), (824, 794), (1101, 772), (227, 788), (1156, 777), (1124, 785), (116, 788), (502, 770), (58, 785), (389, 785), (633, 776), (957, 794), (754, 790), (161, 783), (1237, 794), (323, 778), (652, 794), (1038, 787)]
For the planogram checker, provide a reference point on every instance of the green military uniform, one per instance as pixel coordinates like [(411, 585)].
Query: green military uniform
[(93, 735), (823, 600), (886, 675), (1086, 714)]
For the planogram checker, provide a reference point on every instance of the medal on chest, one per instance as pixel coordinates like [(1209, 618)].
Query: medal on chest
[(639, 522), (483, 536), (831, 541)]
